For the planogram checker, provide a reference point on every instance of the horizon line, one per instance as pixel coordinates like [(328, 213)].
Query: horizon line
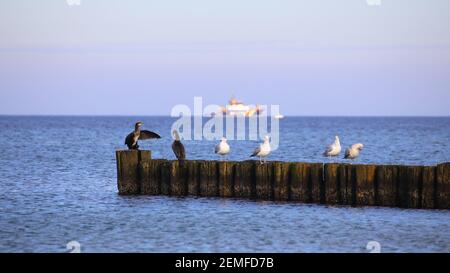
[(285, 116)]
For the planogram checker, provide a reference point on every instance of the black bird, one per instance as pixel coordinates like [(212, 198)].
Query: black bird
[(132, 139), (178, 148)]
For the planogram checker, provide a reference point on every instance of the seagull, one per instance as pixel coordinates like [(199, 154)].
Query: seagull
[(263, 150), (353, 151), (132, 139), (334, 149), (178, 147), (222, 148)]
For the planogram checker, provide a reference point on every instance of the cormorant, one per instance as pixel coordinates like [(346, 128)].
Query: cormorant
[(132, 139), (178, 147)]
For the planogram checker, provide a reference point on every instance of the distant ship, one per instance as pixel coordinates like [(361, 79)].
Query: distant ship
[(238, 108), (279, 116)]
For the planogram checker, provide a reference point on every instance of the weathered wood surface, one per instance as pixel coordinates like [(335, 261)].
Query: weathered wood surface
[(244, 180), (334, 184), (226, 178), (128, 179), (443, 186)]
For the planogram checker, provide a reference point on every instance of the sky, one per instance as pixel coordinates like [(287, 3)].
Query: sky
[(143, 57)]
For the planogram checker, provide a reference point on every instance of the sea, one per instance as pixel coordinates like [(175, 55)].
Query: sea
[(58, 189)]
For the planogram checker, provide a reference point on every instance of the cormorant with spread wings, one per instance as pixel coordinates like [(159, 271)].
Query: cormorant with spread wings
[(132, 139)]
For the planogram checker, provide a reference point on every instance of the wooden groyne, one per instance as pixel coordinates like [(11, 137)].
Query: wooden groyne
[(425, 187)]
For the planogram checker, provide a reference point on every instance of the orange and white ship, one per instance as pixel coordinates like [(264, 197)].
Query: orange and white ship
[(238, 108)]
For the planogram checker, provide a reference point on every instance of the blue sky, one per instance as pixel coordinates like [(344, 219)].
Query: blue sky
[(315, 57)]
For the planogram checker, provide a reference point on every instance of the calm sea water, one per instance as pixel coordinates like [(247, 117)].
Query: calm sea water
[(58, 184)]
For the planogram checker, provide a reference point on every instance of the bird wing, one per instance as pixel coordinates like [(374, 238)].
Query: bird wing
[(129, 139), (217, 148), (256, 152), (148, 135), (347, 153), (178, 150)]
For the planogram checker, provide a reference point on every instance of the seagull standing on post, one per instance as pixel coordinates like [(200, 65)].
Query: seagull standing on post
[(353, 151), (334, 149), (222, 148), (263, 150), (132, 139)]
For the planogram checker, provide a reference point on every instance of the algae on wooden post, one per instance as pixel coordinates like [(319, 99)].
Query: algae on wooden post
[(317, 185), (165, 177), (300, 180), (331, 183), (209, 184), (150, 173), (365, 185), (281, 181), (409, 185), (403, 186), (128, 170), (226, 175), (193, 177), (178, 181), (443, 186), (428, 187), (244, 179), (264, 181), (387, 177), (347, 182)]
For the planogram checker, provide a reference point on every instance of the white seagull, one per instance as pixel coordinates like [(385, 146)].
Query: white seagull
[(222, 148), (353, 151), (263, 150), (334, 149)]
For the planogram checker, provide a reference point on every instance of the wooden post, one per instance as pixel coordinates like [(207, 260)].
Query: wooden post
[(443, 186), (365, 186), (244, 179), (178, 181), (226, 175), (128, 170), (300, 180), (332, 184), (316, 183), (428, 187), (193, 177), (387, 177), (409, 185), (209, 184), (166, 167), (281, 181), (264, 181), (347, 181), (150, 173)]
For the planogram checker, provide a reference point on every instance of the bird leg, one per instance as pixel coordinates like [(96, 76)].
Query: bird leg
[(135, 147)]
